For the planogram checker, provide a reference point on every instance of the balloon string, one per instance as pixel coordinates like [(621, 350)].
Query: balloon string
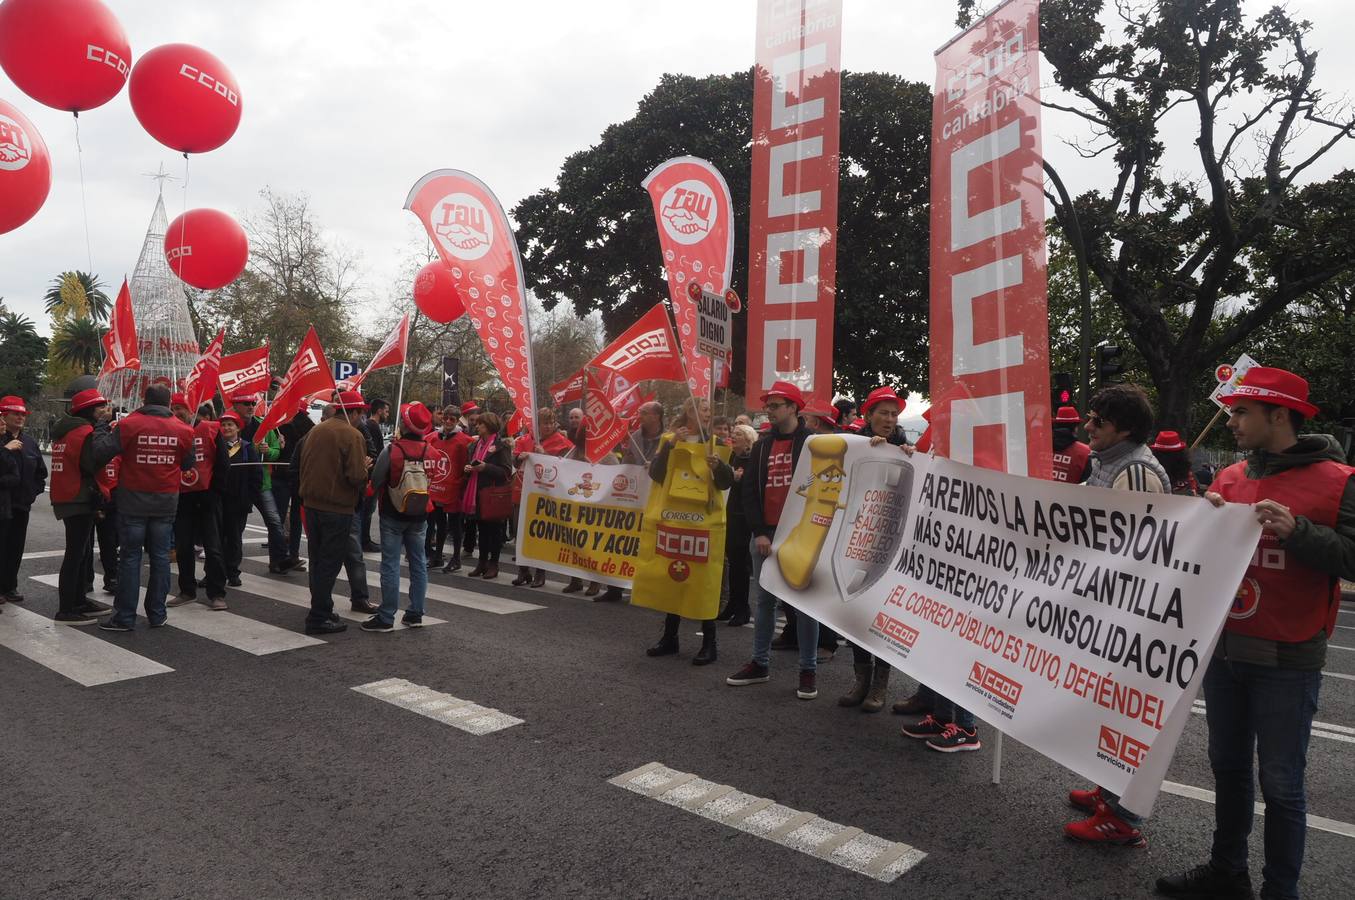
[(183, 220), (84, 203)]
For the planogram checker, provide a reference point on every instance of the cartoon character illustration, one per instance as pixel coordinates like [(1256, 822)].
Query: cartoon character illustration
[(799, 553), (691, 474), (587, 486)]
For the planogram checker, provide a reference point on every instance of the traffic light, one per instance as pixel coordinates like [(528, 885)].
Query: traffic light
[(1062, 392), (1109, 364)]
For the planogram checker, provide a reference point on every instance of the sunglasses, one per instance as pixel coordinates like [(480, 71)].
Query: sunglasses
[(776, 404)]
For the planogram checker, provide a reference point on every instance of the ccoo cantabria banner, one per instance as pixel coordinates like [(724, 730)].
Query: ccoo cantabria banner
[(1078, 620)]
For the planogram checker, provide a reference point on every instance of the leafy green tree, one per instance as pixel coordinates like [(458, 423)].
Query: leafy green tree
[(1199, 263), (23, 355), (74, 295), (77, 345), (592, 239)]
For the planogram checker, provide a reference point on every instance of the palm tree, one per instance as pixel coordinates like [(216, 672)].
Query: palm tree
[(78, 343), (75, 295), (13, 325)]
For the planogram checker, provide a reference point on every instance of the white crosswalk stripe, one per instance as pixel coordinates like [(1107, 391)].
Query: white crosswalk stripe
[(840, 845), (463, 714), (240, 632), (297, 594), (444, 594), (81, 657)]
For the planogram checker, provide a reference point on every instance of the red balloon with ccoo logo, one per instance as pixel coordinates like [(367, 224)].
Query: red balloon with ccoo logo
[(206, 248), (185, 98), (67, 54), (25, 169), (435, 293)]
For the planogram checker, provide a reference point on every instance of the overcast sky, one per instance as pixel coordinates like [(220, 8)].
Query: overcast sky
[(351, 101)]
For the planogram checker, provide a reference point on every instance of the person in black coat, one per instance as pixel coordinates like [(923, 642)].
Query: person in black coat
[(737, 611), (32, 481), (489, 464), (243, 478)]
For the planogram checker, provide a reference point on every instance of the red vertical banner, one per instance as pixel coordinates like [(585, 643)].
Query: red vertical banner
[(989, 316), (695, 217), (792, 238), (470, 230)]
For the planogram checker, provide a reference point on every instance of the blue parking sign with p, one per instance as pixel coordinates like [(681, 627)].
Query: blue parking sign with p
[(345, 368)]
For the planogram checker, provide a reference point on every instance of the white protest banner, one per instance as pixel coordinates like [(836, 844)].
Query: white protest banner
[(582, 519), (1076, 619), (1229, 377)]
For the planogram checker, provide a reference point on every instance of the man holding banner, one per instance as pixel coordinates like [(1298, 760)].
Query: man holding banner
[(1262, 686)]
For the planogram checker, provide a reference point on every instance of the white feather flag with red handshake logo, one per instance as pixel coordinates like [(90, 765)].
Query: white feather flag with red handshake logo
[(392, 352), (696, 234), (470, 230), (120, 344)]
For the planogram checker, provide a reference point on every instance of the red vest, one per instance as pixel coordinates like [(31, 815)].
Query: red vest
[(66, 476), (1281, 599), (1072, 462), (153, 449), (446, 491), (107, 477), (199, 478)]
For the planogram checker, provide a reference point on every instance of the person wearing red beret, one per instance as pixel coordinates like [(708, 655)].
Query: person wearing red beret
[(1174, 456), (32, 478), (1261, 687), (1072, 458)]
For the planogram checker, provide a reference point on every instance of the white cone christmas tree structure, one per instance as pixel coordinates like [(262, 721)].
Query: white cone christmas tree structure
[(164, 329)]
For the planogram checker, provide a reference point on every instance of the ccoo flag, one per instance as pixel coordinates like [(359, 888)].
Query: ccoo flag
[(645, 351), (201, 380), (696, 234), (468, 226), (244, 371), (308, 374), (120, 343)]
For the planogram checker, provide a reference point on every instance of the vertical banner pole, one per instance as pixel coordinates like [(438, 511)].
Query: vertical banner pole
[(399, 394)]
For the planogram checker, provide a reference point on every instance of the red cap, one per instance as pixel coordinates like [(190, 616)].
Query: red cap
[(244, 397), (87, 398), (1273, 386), (178, 399), (415, 418), (857, 424), (1168, 441), (13, 404), (469, 407), (880, 395), (229, 416), (786, 390), (350, 400), (1067, 415)]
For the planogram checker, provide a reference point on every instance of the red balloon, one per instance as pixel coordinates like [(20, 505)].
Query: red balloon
[(25, 169), (66, 54), (435, 293), (206, 248), (185, 98)]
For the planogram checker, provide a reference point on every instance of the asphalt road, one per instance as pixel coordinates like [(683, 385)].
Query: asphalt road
[(269, 776)]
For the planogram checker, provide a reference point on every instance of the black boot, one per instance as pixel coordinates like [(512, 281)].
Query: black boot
[(668, 644), (707, 653)]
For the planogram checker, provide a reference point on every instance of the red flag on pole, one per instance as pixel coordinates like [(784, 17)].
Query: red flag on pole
[(391, 353), (308, 373), (246, 371), (120, 344), (604, 427), (202, 378), (645, 351)]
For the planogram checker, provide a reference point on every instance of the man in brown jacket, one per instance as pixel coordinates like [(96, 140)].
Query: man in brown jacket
[(334, 466)]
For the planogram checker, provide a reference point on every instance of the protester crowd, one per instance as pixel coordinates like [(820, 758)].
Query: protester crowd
[(166, 479)]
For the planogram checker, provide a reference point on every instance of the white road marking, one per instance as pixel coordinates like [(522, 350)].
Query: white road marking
[(444, 594), (70, 651), (1320, 823), (1320, 729), (850, 848), (300, 596), (1340, 675), (463, 714), (44, 554), (240, 632)]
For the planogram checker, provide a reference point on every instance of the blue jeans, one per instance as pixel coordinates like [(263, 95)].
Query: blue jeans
[(135, 532), (945, 711), (268, 510), (1271, 710), (408, 533), (764, 621)]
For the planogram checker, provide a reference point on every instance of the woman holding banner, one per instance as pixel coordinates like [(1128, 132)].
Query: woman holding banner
[(554, 443), (737, 612), (486, 499), (687, 427)]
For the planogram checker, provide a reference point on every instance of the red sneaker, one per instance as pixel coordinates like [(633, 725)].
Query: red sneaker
[(1087, 800), (1104, 827)]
